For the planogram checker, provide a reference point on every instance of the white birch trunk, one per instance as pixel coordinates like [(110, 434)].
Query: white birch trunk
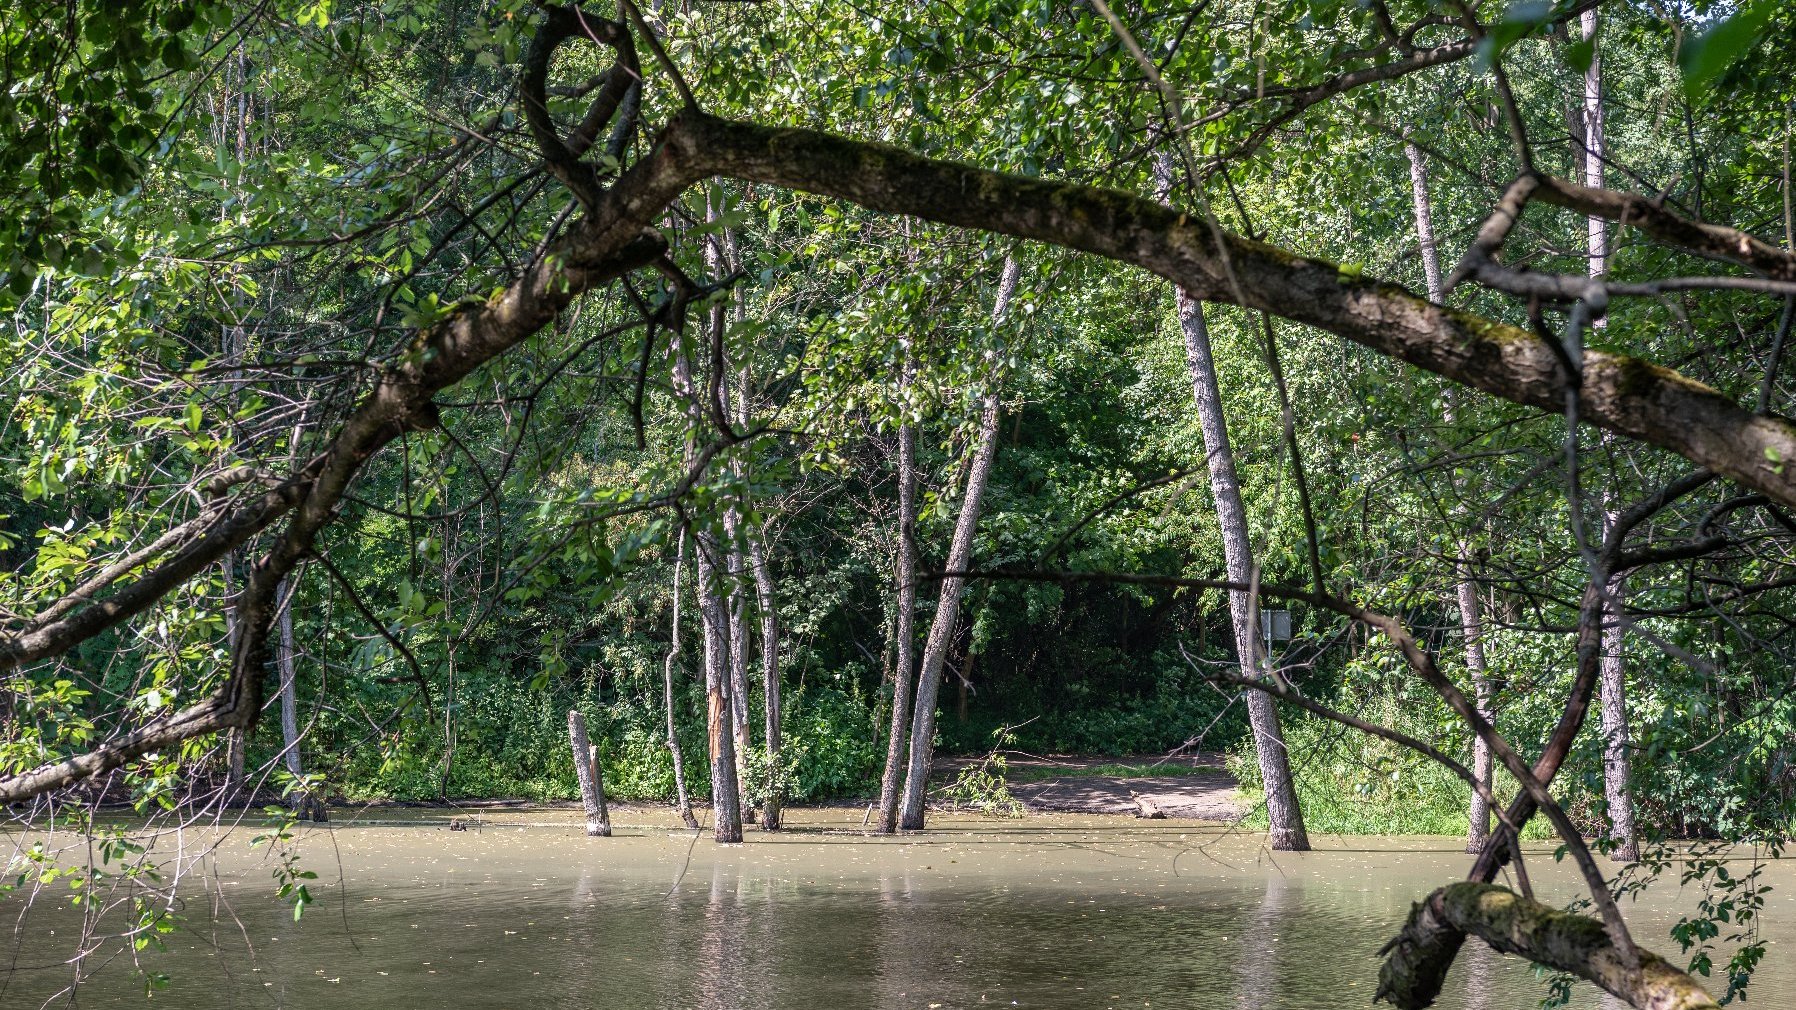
[(1613, 670), (1471, 623)]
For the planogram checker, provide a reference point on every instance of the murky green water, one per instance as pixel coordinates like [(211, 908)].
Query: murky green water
[(1049, 912)]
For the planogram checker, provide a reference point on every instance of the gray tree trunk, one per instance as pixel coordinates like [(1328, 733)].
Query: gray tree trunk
[(311, 805), (726, 808), (1471, 623), (718, 262), (235, 742), (903, 674), (947, 611), (1617, 788), (591, 776), (682, 798), (1283, 814), (770, 672), (737, 602)]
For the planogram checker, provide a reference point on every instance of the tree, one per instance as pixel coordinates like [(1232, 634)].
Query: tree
[(960, 553), (1283, 813), (417, 285)]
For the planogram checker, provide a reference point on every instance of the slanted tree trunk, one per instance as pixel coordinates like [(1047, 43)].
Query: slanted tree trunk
[(1617, 788), (591, 776), (947, 611), (1284, 816), (1419, 957), (1471, 622), (904, 630), (682, 799)]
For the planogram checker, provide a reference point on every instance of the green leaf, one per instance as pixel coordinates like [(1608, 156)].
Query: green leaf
[(1706, 56)]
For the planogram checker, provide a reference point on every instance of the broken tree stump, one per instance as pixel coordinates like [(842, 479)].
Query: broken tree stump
[(592, 780)]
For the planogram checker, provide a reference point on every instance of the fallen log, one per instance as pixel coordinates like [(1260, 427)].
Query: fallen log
[(1419, 956), (1146, 808)]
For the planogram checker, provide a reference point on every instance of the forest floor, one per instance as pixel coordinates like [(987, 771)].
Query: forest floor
[(1196, 785)]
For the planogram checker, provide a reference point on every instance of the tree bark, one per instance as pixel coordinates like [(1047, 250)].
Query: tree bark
[(1283, 814), (1471, 623), (312, 805), (904, 631), (1510, 923), (682, 798), (236, 736), (737, 602), (1617, 787), (770, 674), (591, 776), (947, 612), (726, 809)]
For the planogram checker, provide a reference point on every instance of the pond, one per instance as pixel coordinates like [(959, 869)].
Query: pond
[(1053, 911)]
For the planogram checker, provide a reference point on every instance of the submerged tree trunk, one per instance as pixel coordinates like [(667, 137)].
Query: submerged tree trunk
[(737, 602), (726, 809), (947, 611), (591, 776), (1471, 622), (726, 806), (1617, 788), (1283, 814), (904, 631), (682, 798)]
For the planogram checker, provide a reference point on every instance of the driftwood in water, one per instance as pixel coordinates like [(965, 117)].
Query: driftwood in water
[(1146, 808), (1419, 956), (592, 780)]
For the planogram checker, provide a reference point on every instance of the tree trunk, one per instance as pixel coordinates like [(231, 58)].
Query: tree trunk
[(1471, 623), (770, 674), (682, 799), (726, 806), (947, 612), (904, 632), (726, 809), (1420, 955), (1616, 771), (739, 645), (235, 741), (718, 263), (1284, 816), (1616, 785), (591, 776), (313, 806)]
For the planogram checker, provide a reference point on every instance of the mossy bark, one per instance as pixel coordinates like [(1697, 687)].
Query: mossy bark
[(1419, 956)]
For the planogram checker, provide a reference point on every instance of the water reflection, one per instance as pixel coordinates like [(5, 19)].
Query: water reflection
[(1006, 915)]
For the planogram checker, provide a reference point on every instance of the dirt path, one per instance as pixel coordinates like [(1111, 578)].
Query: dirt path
[(1197, 786)]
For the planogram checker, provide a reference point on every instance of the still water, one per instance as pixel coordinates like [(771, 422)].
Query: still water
[(1053, 911)]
